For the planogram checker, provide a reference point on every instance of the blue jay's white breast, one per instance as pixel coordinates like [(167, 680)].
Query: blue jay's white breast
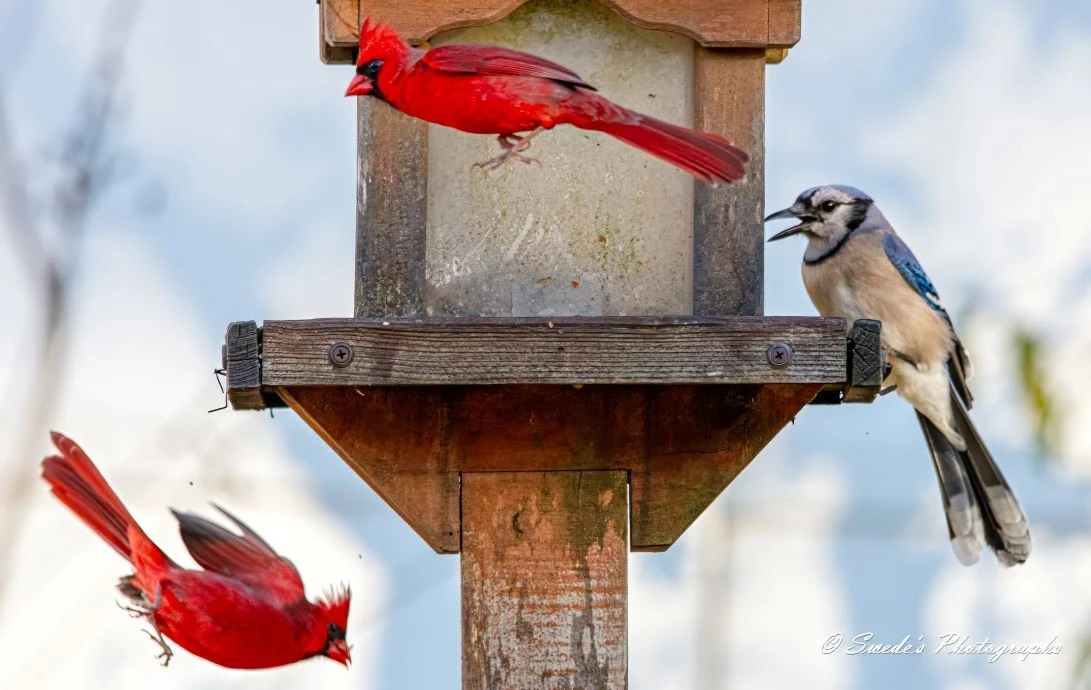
[(859, 282), (845, 302)]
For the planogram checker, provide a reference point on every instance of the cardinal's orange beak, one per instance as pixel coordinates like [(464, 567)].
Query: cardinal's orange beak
[(339, 652), (359, 86)]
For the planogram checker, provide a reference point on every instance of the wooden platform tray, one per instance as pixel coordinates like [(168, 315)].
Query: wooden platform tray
[(680, 404)]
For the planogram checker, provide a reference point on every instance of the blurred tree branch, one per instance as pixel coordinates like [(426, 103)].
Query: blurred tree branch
[(85, 165)]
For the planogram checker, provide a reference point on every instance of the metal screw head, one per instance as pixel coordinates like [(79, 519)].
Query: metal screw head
[(779, 354), (340, 354)]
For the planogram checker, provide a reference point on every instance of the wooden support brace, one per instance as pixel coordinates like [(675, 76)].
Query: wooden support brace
[(396, 443), (679, 445), (698, 447)]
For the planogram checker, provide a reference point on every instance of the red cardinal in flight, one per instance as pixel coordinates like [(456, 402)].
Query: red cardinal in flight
[(246, 609), (491, 90)]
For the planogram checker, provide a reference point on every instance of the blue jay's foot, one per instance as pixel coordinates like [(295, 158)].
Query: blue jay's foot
[(887, 368)]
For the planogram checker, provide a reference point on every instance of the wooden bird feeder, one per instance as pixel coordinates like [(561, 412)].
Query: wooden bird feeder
[(551, 366)]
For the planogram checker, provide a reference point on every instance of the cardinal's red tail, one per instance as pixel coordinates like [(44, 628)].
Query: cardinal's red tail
[(707, 157), (76, 481)]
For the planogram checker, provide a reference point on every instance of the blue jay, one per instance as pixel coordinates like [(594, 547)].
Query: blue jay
[(856, 267)]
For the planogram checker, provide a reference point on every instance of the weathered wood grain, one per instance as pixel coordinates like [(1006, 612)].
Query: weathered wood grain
[(397, 448), (458, 351), (338, 18), (785, 22), (242, 366), (541, 428), (865, 360), (712, 23), (680, 445), (544, 580), (729, 99), (683, 472), (390, 205), (719, 23)]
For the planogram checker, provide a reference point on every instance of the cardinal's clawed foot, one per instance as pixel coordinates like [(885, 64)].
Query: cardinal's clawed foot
[(166, 652), (512, 146), (133, 611)]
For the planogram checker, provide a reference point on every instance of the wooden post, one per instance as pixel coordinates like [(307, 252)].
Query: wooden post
[(728, 240), (540, 446), (390, 193), (544, 554), (544, 580)]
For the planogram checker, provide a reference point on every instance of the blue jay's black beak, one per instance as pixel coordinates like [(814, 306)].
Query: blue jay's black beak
[(789, 212)]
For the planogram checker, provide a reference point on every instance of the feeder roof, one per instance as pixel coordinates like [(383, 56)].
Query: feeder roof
[(762, 24)]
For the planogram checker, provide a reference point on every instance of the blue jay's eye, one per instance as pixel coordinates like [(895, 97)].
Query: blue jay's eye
[(828, 205)]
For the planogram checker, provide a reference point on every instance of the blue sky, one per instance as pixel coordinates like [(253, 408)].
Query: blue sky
[(965, 121)]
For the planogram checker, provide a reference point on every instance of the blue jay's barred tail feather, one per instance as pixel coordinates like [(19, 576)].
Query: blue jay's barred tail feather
[(964, 523), (961, 370), (973, 488), (1006, 529)]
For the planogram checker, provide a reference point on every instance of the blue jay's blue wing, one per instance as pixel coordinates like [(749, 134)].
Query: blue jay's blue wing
[(959, 363), (907, 264)]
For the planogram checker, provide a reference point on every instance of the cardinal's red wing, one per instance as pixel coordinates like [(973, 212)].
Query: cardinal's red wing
[(247, 558), (496, 61)]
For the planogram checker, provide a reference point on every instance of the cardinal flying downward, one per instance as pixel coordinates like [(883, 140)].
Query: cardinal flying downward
[(490, 90), (246, 609)]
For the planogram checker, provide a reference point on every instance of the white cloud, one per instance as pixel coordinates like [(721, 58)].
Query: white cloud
[(229, 101), (314, 277), (17, 315), (991, 150), (1031, 605), (742, 597), (662, 613), (782, 612)]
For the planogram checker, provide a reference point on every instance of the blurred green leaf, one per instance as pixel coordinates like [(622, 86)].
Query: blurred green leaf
[(1040, 402), (1081, 673)]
